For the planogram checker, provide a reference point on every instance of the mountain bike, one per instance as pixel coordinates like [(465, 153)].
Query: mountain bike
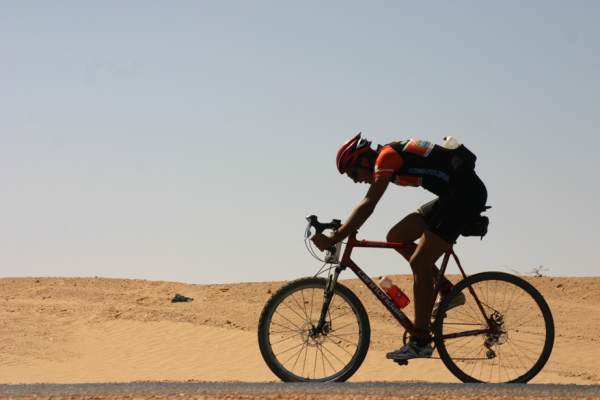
[(315, 329)]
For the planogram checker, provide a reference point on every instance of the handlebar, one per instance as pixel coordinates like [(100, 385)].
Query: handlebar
[(313, 222), (332, 255)]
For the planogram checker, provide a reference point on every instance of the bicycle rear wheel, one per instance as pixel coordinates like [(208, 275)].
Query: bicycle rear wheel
[(519, 342), (292, 348)]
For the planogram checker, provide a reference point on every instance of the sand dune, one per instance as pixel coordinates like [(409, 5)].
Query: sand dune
[(70, 330)]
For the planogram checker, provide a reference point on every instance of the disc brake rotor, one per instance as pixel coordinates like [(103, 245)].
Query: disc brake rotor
[(311, 337), (498, 335)]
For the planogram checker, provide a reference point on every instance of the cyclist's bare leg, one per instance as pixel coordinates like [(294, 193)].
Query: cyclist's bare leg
[(429, 249), (409, 229)]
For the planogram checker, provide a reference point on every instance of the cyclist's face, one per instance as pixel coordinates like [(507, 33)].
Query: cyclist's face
[(361, 172)]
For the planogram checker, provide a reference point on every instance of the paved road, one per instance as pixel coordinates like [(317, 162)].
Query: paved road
[(374, 390)]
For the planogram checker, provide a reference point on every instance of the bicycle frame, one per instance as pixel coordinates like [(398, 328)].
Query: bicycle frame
[(347, 262)]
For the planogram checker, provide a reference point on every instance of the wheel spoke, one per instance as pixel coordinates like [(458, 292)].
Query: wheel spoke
[(286, 327), (283, 331), (315, 367), (326, 359), (333, 354), (304, 306), (295, 326), (291, 348), (300, 306), (297, 358), (337, 344), (345, 340), (283, 340), (312, 298), (345, 326), (322, 359), (338, 316), (296, 312)]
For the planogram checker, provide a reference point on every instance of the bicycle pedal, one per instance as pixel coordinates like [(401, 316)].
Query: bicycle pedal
[(401, 362)]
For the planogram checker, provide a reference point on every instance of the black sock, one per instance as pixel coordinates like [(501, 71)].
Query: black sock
[(445, 287), (422, 340)]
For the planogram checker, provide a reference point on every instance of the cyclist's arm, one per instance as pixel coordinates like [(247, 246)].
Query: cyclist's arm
[(364, 209)]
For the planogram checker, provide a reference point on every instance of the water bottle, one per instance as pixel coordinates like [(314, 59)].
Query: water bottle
[(450, 143), (463, 159), (397, 295)]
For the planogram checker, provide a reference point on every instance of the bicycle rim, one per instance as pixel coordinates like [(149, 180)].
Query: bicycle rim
[(518, 345)]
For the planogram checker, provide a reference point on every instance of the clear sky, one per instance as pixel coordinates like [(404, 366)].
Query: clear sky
[(187, 140)]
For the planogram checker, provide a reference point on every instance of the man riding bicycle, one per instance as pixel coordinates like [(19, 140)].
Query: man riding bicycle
[(449, 174)]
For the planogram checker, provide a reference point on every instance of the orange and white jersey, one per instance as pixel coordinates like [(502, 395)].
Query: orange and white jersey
[(415, 163)]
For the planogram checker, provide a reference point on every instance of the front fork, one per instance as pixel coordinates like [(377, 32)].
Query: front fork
[(327, 296)]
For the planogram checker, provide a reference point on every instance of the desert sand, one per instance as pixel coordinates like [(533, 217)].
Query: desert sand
[(80, 330)]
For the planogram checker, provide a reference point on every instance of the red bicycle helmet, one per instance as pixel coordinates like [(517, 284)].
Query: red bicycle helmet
[(350, 151)]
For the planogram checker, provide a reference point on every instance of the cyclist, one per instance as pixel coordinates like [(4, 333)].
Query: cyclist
[(449, 174)]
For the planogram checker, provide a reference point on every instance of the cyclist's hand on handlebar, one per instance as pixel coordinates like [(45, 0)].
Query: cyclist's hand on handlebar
[(322, 242)]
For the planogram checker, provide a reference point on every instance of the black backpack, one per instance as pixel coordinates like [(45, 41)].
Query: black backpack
[(478, 226)]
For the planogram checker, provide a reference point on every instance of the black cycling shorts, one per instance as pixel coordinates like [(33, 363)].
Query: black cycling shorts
[(448, 215)]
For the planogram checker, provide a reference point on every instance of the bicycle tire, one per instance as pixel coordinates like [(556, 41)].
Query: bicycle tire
[(544, 309), (265, 320)]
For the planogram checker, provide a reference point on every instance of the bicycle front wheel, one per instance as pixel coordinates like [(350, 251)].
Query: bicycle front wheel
[(290, 344), (504, 332)]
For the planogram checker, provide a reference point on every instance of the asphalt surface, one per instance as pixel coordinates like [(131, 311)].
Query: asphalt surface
[(375, 389)]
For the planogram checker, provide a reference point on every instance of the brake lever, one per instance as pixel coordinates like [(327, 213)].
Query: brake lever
[(308, 232), (311, 220)]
